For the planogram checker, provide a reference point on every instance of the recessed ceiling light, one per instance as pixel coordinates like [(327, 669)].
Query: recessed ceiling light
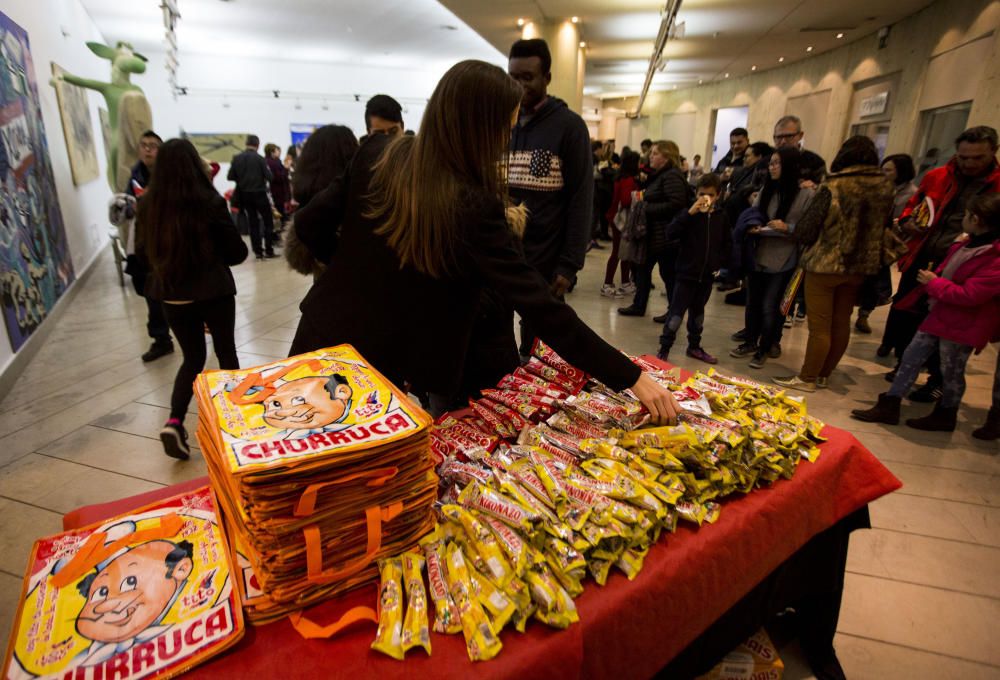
[(675, 86), (727, 75), (520, 22), (583, 44), (780, 59), (575, 20), (809, 49), (701, 81), (754, 67), (839, 36)]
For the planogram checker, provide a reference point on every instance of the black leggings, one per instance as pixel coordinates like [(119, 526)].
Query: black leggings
[(188, 324)]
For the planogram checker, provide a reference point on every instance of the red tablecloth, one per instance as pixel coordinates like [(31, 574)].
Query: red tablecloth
[(627, 629)]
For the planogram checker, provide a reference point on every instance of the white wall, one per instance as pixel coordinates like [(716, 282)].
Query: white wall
[(84, 208)]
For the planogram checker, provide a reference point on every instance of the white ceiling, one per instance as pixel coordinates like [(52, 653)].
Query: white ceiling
[(392, 33), (721, 36)]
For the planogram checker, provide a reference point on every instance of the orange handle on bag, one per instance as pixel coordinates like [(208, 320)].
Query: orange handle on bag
[(314, 546), (307, 502), (313, 631)]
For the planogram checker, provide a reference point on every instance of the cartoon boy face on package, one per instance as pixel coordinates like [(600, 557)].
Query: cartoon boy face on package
[(308, 403)]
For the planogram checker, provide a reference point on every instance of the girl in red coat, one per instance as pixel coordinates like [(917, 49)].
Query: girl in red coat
[(622, 200), (964, 317)]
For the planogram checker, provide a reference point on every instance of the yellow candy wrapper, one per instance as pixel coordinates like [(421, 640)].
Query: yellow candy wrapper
[(483, 542), (631, 563), (500, 607), (388, 638), (481, 641), (446, 618), (415, 630)]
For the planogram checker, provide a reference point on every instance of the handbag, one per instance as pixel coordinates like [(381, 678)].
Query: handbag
[(788, 299), (893, 247)]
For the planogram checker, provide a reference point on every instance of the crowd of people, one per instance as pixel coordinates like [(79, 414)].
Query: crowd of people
[(423, 247)]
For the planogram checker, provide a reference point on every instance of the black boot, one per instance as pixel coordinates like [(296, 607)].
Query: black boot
[(631, 310), (990, 431), (885, 411), (159, 348), (941, 419)]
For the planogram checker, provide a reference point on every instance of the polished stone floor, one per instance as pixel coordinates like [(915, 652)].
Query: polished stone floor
[(922, 593)]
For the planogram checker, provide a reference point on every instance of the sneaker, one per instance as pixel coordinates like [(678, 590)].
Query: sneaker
[(788, 321), (822, 383), (800, 317), (608, 290), (739, 336), (758, 361), (795, 383), (629, 288), (158, 349), (701, 355), (928, 393), (862, 325), (744, 350), (174, 440), (775, 351), (631, 310)]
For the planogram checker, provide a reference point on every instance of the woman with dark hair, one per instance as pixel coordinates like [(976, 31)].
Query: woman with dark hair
[(842, 231), (621, 201), (666, 192), (423, 232), (877, 290), (775, 255), (188, 242), (325, 157)]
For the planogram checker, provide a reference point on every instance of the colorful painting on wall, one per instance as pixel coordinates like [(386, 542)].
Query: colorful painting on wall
[(78, 129), (35, 264), (218, 146)]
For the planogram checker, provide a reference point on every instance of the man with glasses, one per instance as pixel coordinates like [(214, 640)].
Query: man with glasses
[(156, 321), (788, 133)]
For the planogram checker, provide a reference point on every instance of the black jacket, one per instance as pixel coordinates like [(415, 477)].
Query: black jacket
[(250, 172), (728, 161), (552, 173), (703, 241), (140, 177), (211, 278), (417, 329), (667, 192)]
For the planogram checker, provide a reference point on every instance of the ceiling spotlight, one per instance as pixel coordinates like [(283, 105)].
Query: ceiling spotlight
[(575, 20), (583, 44), (520, 22), (701, 81), (839, 36), (754, 67), (780, 59), (277, 94), (809, 49), (727, 75), (675, 86)]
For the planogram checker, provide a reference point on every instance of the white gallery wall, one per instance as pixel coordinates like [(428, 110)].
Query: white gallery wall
[(57, 31)]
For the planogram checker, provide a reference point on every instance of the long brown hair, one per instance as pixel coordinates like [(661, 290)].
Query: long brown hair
[(170, 220), (419, 183)]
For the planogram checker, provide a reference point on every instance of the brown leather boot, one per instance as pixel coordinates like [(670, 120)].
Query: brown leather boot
[(885, 411)]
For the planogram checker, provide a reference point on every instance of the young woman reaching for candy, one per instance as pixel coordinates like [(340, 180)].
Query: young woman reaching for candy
[(423, 232)]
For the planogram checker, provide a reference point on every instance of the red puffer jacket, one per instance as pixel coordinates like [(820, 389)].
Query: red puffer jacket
[(967, 310)]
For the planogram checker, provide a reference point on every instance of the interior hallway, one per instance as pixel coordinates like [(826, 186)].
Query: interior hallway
[(80, 426)]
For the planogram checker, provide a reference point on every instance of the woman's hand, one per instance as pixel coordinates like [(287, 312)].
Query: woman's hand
[(778, 225), (925, 276), (658, 400)]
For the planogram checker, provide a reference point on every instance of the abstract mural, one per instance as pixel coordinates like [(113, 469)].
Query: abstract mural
[(35, 264)]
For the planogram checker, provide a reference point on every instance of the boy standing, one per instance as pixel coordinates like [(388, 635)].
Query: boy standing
[(703, 233)]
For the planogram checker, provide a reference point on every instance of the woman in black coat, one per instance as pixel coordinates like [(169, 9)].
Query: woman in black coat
[(423, 232), (665, 194), (186, 241)]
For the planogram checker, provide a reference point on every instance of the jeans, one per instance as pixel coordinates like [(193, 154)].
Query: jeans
[(954, 357), (188, 323), (688, 297), (831, 299), (609, 272), (156, 322), (257, 208), (643, 273), (764, 321)]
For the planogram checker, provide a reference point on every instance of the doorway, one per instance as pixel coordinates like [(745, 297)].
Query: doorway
[(938, 130), (877, 132), (725, 121)]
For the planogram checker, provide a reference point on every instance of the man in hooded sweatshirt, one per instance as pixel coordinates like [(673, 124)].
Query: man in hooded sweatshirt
[(551, 174)]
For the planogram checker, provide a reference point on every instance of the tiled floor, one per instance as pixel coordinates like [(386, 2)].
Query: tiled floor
[(922, 596)]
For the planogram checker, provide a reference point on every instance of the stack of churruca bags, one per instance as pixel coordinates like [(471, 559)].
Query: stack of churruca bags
[(321, 467)]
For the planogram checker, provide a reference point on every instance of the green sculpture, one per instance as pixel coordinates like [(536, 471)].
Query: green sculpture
[(128, 109)]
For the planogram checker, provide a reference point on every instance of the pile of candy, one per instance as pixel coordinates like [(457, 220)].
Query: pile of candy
[(547, 482)]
